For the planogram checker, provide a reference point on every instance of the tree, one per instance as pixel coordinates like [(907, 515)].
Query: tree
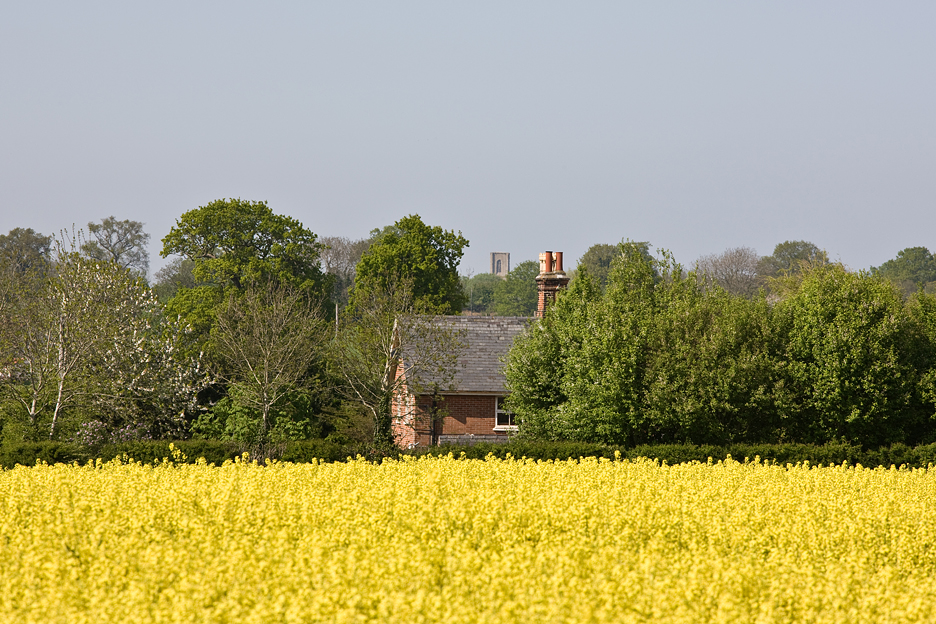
[(734, 269), (597, 261), (655, 358), (92, 344), (663, 357), (235, 242), (24, 262), (268, 340), (25, 251), (175, 276), (425, 257), (479, 289), (339, 259), (517, 295), (913, 268), (850, 354), (384, 323), (121, 242), (791, 257)]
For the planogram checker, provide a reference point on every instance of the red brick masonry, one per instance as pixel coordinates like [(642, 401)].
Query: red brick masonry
[(458, 415)]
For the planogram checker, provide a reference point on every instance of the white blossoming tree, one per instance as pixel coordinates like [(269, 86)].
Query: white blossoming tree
[(92, 344)]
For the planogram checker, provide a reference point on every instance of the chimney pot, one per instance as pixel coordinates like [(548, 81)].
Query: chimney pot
[(550, 280), (546, 262)]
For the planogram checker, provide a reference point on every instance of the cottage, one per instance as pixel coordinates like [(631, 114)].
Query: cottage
[(472, 409)]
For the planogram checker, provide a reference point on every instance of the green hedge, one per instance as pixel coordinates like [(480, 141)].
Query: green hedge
[(834, 453), (214, 451), (217, 452), (28, 453)]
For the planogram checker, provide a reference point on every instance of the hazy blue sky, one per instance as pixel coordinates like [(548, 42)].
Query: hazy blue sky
[(528, 126)]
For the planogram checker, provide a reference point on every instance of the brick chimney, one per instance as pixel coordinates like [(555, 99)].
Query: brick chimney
[(550, 279)]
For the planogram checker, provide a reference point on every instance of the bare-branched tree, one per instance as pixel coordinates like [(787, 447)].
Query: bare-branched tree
[(734, 269), (339, 258), (388, 344), (122, 242), (268, 339)]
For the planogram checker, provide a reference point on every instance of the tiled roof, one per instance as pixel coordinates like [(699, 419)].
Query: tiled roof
[(487, 340)]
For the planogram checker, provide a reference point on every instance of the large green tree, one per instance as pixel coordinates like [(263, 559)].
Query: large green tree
[(791, 257), (852, 360), (426, 257), (657, 357), (479, 289), (912, 269), (662, 356), (516, 295), (235, 242), (232, 244)]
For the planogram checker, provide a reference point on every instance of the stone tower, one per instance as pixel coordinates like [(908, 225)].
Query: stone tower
[(500, 263)]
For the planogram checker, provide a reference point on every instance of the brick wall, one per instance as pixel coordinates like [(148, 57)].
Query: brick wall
[(462, 416), (469, 414)]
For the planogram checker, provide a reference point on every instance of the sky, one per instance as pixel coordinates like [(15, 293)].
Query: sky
[(527, 126)]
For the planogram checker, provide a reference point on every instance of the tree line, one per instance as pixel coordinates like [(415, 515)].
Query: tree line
[(652, 353), (259, 331), (256, 331)]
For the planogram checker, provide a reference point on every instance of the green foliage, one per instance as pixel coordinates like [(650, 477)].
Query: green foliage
[(597, 261), (837, 453), (328, 450), (922, 309), (479, 291), (426, 257), (306, 451), (235, 242), (662, 357), (234, 246), (25, 251), (516, 295), (914, 268), (791, 257), (28, 453), (849, 360), (295, 417), (655, 358)]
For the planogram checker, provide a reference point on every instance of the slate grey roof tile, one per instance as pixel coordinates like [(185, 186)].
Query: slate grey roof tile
[(487, 340)]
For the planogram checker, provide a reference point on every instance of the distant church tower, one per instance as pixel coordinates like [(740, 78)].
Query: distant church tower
[(500, 263)]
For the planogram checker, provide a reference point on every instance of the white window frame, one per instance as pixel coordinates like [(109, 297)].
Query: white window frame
[(500, 411)]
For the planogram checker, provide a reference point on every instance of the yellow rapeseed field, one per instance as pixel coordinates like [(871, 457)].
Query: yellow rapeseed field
[(444, 540)]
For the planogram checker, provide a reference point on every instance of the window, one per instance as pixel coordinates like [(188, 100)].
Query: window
[(503, 419)]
